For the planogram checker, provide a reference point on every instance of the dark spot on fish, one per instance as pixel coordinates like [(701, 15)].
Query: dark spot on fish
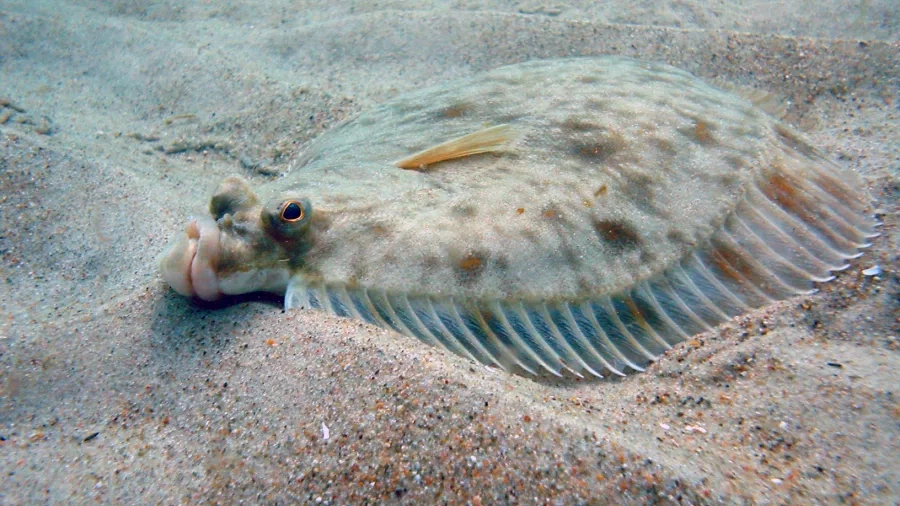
[(730, 179), (639, 189), (586, 285), (735, 161), (431, 262), (573, 260), (358, 268), (501, 262), (456, 111), (599, 147), (538, 184), (464, 210), (664, 145), (320, 222), (617, 234), (378, 228), (595, 104), (520, 210), (507, 118), (648, 127), (648, 257), (580, 125), (531, 235)]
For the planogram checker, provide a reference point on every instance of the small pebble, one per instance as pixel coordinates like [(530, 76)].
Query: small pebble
[(872, 271)]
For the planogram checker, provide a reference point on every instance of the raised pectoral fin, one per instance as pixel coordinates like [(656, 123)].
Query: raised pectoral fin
[(297, 295), (486, 140)]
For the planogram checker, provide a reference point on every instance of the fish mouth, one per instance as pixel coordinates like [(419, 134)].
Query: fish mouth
[(188, 264)]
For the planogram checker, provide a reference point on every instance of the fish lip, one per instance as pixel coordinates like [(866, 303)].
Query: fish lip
[(202, 273), (189, 264)]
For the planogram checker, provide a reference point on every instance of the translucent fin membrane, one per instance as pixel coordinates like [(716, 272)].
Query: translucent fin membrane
[(787, 234)]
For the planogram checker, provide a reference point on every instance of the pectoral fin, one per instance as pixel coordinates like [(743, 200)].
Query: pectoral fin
[(487, 140)]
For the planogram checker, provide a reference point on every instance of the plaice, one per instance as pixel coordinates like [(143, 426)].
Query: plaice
[(577, 215)]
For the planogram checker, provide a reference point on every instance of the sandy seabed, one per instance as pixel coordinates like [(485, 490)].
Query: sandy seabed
[(117, 119)]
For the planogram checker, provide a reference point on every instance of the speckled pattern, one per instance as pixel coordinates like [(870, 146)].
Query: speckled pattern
[(619, 169)]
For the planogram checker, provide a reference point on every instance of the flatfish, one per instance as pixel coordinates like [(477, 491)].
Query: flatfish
[(565, 216)]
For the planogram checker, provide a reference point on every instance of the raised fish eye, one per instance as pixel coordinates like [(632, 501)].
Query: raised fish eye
[(287, 217), (292, 211)]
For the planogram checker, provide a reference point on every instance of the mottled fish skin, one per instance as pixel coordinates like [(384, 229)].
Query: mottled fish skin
[(636, 207)]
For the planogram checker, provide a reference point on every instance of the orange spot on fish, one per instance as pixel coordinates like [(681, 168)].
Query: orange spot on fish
[(470, 263), (702, 133)]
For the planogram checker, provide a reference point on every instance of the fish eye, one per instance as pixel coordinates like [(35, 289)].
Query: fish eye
[(292, 211), (287, 217)]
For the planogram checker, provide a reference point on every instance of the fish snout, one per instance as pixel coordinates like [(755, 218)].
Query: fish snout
[(189, 264)]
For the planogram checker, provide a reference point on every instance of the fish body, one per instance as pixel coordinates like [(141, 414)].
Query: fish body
[(578, 215)]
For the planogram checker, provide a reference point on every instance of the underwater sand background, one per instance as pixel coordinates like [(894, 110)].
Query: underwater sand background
[(120, 117)]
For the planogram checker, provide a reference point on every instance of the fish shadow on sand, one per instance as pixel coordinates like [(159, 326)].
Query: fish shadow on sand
[(186, 327)]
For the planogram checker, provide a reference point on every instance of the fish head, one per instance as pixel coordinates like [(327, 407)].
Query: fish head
[(243, 245)]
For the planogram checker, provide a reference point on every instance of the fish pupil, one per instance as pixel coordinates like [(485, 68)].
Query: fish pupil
[(292, 212)]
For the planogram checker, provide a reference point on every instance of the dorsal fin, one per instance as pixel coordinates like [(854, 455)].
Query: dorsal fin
[(486, 140)]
